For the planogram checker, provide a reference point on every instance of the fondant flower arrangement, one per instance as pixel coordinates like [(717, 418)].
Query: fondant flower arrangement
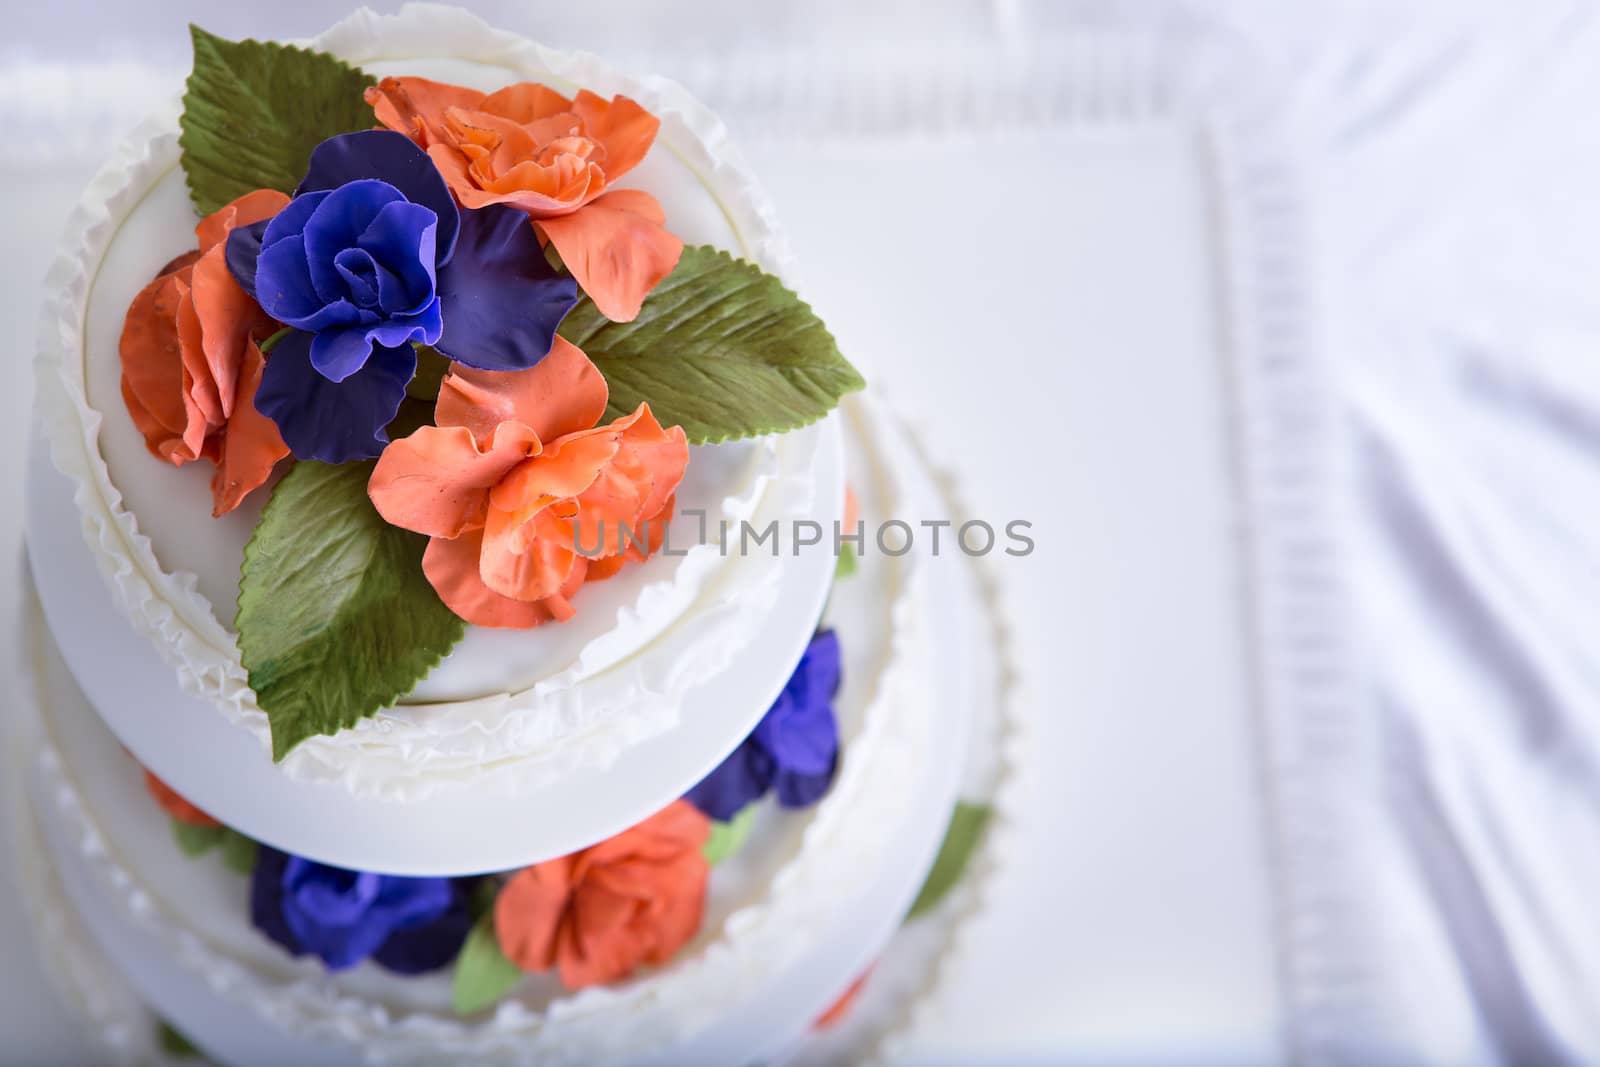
[(593, 917), (423, 321)]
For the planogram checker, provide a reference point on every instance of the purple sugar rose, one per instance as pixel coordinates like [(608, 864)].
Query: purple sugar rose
[(408, 925), (372, 257), (794, 749)]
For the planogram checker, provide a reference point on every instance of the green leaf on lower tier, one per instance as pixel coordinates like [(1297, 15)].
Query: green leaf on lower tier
[(336, 619), (847, 562), (254, 110), (172, 1042), (238, 852), (729, 837), (483, 975), (719, 348), (960, 839), (196, 840)]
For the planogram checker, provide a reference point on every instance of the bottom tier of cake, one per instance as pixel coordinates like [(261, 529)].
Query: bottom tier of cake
[(790, 921)]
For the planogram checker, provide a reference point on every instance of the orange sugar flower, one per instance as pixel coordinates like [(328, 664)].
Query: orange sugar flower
[(597, 915), (191, 365), (555, 158), (174, 805), (516, 477)]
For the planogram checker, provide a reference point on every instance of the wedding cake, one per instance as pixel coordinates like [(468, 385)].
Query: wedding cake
[(467, 627)]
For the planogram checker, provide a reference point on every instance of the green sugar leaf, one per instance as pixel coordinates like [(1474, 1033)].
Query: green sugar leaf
[(483, 975), (728, 837), (336, 619), (846, 566), (174, 1043), (238, 852), (960, 839), (254, 110), (719, 348), (196, 840)]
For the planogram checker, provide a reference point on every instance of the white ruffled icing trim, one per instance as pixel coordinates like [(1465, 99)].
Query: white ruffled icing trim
[(519, 739), (838, 854)]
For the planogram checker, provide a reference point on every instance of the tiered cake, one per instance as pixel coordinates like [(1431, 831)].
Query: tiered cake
[(517, 704)]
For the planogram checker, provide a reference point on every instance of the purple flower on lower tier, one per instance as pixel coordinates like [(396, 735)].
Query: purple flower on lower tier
[(793, 750), (407, 925)]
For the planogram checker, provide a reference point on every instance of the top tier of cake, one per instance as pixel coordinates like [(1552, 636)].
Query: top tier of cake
[(508, 713)]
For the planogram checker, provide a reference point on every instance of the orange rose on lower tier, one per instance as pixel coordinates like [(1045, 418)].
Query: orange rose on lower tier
[(516, 477), (191, 365), (555, 158), (169, 801), (597, 915)]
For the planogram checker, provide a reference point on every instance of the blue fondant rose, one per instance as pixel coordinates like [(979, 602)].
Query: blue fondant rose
[(407, 925), (794, 749), (371, 257)]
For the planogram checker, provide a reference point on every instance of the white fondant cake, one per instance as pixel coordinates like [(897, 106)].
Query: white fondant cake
[(790, 919), (525, 753), (508, 712)]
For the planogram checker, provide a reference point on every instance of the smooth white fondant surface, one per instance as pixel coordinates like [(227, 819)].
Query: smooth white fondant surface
[(746, 987), (520, 709)]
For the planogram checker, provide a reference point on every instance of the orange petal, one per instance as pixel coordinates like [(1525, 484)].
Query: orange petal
[(249, 208), (681, 898), (676, 827), (655, 526), (452, 569), (528, 912), (152, 366), (567, 466), (625, 129), (201, 400), (175, 805), (526, 567), (227, 318), (416, 106), (644, 473), (525, 102), (616, 248), (250, 444), (563, 393), (437, 480)]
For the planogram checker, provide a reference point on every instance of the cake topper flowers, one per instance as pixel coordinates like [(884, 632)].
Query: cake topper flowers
[(513, 472), (370, 258), (191, 362), (554, 158), (465, 296)]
